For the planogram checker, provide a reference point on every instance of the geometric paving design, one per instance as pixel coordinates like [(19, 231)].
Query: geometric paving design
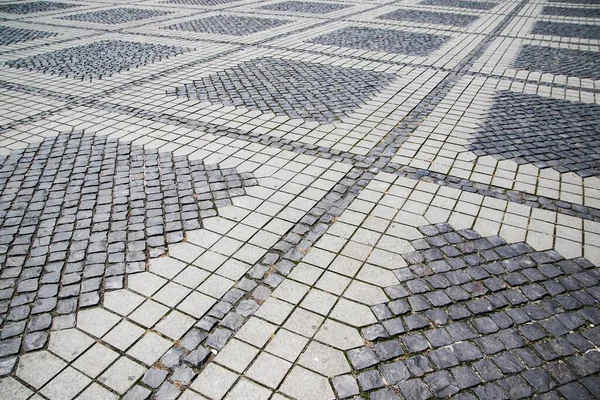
[(473, 5), (228, 25), (200, 2), (576, 1), (305, 7), (78, 212), (572, 12), (475, 314), (34, 7), (322, 93), (115, 16), (431, 17), (386, 40), (566, 30), (559, 61), (82, 62), (542, 131), (9, 35)]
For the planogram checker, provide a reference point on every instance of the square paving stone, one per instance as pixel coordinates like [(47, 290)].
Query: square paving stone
[(122, 375), (269, 370), (38, 368), (95, 360), (66, 385)]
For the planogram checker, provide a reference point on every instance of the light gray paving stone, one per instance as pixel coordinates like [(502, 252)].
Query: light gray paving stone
[(95, 360), (69, 343), (303, 384), (121, 375), (66, 385), (268, 370), (38, 368), (324, 360), (214, 382)]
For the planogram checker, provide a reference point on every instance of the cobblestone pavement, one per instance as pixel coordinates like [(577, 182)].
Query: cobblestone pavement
[(300, 199)]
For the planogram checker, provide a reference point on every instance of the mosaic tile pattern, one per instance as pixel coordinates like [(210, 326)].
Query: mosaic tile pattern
[(572, 12), (431, 17), (300, 224), (567, 30), (83, 62), (473, 5), (10, 35), (387, 40), (545, 132), (233, 25), (96, 210), (34, 7), (115, 16), (559, 61), (476, 314), (305, 7), (576, 1), (201, 2), (313, 92)]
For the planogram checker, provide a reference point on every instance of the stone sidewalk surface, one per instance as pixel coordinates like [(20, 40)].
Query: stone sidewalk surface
[(299, 199)]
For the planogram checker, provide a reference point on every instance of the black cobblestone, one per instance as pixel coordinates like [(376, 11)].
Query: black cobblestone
[(116, 15), (86, 201), (34, 7), (96, 60), (234, 25), (572, 12), (559, 61), (9, 35), (542, 131), (322, 93), (431, 17), (386, 40), (567, 30), (305, 7), (473, 5)]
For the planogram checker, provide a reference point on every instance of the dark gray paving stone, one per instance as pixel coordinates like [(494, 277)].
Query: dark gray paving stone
[(566, 30), (542, 131), (385, 40), (96, 60), (34, 7), (114, 16), (234, 25), (10, 35), (473, 5), (322, 93), (305, 7), (431, 17), (571, 12)]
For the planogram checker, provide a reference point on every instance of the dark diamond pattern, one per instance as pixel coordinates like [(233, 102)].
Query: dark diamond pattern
[(34, 7), (116, 16), (431, 17), (10, 35), (476, 314), (567, 30), (234, 25), (542, 131), (559, 61), (473, 5), (78, 212), (322, 93), (387, 40), (305, 7), (96, 60)]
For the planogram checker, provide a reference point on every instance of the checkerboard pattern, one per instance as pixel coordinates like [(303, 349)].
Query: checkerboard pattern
[(277, 199)]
